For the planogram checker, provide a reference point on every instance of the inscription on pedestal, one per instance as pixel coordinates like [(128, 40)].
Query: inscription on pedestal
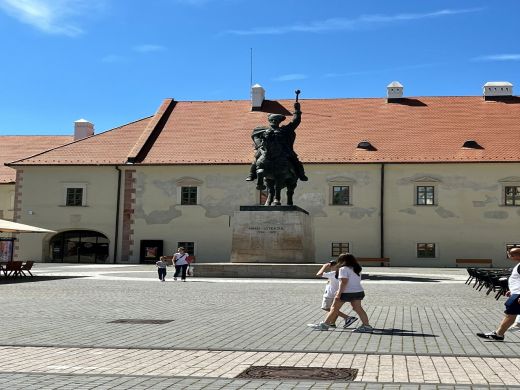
[(272, 235)]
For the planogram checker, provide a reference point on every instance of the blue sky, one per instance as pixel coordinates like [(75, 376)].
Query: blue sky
[(113, 61)]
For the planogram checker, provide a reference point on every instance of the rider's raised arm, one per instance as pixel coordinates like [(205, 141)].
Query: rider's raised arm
[(297, 118)]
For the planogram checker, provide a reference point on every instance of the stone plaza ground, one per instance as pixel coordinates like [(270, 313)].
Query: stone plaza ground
[(58, 331)]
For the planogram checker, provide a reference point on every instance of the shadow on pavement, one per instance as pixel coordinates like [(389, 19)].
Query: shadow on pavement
[(397, 332), (28, 279), (403, 278)]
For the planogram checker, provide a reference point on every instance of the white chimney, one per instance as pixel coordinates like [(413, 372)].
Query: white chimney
[(394, 90), (497, 88), (257, 97), (83, 129)]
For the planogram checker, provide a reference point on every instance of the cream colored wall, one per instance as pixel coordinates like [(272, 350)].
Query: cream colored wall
[(6, 201), (223, 191), (159, 215), (43, 205), (356, 224), (469, 220)]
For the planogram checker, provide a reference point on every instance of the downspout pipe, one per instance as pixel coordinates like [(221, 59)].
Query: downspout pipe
[(118, 201), (382, 213)]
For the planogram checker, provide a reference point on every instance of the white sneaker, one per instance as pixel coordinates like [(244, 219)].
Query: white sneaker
[(515, 327), (319, 326), (363, 329)]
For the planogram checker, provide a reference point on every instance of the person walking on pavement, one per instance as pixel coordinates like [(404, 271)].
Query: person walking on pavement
[(330, 271), (350, 290), (161, 269), (512, 304), (180, 261)]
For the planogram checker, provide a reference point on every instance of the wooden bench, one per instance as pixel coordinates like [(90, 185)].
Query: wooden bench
[(480, 262), (377, 261)]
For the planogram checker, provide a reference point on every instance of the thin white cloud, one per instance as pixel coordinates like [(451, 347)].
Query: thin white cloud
[(291, 77), (338, 24), (498, 57), (148, 48), (196, 3), (51, 16), (113, 58)]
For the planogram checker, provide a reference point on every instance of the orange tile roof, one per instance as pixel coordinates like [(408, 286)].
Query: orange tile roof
[(16, 147), (108, 148), (420, 129)]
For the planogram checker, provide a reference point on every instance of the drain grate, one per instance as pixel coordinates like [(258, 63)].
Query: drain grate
[(134, 321), (313, 373)]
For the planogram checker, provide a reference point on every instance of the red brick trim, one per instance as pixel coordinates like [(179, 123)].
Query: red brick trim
[(127, 244), (17, 207)]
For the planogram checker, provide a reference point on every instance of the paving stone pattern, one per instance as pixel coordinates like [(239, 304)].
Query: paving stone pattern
[(56, 333)]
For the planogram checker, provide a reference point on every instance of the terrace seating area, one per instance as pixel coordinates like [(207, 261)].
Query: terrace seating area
[(489, 280), (13, 269)]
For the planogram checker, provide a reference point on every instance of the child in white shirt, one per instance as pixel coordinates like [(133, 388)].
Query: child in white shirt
[(330, 271)]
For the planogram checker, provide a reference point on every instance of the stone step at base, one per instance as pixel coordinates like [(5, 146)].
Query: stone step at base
[(256, 270)]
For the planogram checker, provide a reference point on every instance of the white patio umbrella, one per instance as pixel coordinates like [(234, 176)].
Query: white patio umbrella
[(14, 227)]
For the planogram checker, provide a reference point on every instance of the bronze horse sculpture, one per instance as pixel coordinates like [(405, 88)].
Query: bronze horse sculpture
[(276, 163)]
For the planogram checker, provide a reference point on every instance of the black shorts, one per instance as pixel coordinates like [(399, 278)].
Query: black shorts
[(512, 305), (353, 296)]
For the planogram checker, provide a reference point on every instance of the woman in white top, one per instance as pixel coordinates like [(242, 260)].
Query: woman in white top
[(350, 290), (330, 271), (180, 260)]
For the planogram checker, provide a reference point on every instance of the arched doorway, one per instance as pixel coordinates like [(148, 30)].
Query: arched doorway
[(79, 246)]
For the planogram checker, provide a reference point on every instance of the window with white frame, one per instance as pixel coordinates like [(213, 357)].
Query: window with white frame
[(340, 195), (424, 195), (340, 191), (75, 194), (512, 195), (510, 191), (425, 191), (189, 195), (337, 248), (188, 191), (426, 250)]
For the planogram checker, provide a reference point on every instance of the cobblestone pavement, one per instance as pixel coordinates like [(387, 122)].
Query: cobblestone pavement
[(58, 332)]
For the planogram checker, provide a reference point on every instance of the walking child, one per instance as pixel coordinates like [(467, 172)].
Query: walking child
[(350, 290), (330, 272), (161, 269)]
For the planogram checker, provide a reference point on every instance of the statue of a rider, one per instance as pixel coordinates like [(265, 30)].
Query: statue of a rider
[(285, 136)]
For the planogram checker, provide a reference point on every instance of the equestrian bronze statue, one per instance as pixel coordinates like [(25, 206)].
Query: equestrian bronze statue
[(276, 163)]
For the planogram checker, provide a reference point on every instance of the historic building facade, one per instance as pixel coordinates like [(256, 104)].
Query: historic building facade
[(423, 180)]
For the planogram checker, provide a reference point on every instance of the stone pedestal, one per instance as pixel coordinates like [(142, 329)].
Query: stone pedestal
[(272, 234)]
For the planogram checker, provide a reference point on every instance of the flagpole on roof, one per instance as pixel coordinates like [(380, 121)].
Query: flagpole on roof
[(251, 68)]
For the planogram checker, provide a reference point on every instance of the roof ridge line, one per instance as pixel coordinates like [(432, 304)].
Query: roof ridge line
[(70, 143), (151, 132)]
